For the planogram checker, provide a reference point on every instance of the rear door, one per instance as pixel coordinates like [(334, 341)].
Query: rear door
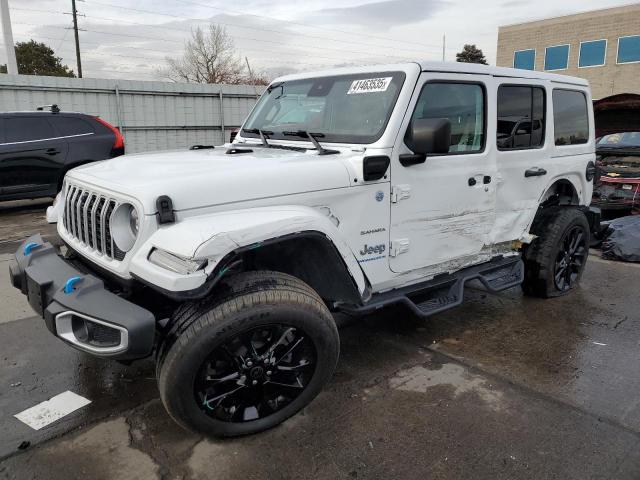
[(443, 209), (31, 156), (523, 104)]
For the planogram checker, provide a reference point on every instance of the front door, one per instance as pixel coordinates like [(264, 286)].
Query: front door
[(443, 210), (30, 156)]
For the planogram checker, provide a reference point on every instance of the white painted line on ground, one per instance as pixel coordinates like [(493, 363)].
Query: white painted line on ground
[(51, 410)]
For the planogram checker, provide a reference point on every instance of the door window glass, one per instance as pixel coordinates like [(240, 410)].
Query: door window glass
[(73, 126), (460, 103), (23, 129), (520, 117), (570, 117)]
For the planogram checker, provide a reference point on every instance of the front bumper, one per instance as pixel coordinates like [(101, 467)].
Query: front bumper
[(77, 308)]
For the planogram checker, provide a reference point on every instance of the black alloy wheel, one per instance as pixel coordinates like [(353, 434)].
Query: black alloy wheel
[(248, 357), (556, 259), (571, 258), (255, 373)]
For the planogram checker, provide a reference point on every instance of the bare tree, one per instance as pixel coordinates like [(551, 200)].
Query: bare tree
[(209, 57)]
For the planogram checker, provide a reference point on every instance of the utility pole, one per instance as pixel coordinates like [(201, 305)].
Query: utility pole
[(75, 31), (255, 89), (12, 64), (444, 45)]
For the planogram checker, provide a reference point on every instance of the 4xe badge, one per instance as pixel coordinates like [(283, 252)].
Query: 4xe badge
[(377, 249), (379, 195)]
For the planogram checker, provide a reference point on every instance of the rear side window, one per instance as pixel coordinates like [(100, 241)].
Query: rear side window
[(571, 118), (24, 129), (68, 126), (521, 117), (463, 105)]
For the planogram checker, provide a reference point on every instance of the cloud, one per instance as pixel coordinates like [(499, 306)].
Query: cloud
[(386, 14)]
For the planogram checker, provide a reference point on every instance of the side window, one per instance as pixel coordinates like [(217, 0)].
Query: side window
[(571, 118), (24, 129), (463, 105), (73, 126), (521, 117)]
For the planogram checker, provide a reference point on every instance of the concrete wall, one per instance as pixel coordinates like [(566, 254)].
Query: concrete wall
[(607, 24), (151, 115)]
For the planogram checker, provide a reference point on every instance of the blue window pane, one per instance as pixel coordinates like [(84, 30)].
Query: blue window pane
[(556, 58), (525, 59), (629, 49), (593, 53)]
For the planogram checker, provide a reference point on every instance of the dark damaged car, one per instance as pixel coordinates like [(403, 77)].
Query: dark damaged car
[(617, 183)]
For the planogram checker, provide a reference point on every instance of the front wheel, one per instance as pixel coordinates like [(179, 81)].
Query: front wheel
[(247, 362), (555, 260)]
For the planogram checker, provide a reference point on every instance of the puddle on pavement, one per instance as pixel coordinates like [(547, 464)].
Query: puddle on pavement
[(420, 379)]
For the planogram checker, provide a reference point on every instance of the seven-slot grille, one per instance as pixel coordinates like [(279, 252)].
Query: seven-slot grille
[(87, 218)]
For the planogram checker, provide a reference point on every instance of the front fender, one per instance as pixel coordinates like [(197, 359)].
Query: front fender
[(213, 236)]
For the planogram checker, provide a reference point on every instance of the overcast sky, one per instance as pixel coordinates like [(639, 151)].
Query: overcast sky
[(126, 39)]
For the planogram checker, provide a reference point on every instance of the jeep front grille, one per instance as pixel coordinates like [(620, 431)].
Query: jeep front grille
[(87, 217)]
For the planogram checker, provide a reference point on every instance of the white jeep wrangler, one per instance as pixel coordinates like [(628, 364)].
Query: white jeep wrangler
[(347, 190)]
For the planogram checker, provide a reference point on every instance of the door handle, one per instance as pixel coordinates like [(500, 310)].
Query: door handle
[(535, 172), (52, 151)]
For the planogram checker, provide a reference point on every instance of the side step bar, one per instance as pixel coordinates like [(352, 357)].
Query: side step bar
[(447, 290)]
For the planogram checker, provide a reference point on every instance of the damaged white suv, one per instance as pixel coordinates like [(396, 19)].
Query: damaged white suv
[(347, 190)]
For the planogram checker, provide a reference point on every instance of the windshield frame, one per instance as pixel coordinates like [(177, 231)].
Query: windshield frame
[(398, 76)]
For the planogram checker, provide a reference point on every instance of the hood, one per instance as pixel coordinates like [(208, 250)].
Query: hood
[(617, 114), (199, 178)]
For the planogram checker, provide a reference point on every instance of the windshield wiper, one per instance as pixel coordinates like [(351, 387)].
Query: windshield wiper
[(263, 135), (312, 138)]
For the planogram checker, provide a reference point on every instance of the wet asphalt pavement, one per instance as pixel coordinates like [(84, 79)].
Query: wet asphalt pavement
[(502, 387)]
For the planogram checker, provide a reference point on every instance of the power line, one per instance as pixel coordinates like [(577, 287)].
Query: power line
[(223, 23), (307, 25), (156, 39), (280, 32), (134, 57)]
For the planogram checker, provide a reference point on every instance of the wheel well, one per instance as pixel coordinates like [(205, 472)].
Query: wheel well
[(309, 256), (560, 193)]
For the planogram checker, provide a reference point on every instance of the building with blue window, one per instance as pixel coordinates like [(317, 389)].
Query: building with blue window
[(602, 46)]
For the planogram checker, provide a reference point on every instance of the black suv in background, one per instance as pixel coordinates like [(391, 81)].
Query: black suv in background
[(38, 148)]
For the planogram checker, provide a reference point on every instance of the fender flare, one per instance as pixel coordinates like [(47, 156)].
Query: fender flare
[(576, 181), (221, 236)]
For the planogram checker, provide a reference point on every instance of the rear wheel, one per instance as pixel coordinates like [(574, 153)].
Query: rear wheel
[(555, 260), (250, 360)]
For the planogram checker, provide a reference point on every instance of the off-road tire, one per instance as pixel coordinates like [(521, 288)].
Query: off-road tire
[(551, 227), (242, 302)]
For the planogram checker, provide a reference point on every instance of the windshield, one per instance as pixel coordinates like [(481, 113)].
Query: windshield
[(339, 109), (626, 139)]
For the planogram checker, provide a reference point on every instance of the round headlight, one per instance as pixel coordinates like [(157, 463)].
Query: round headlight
[(124, 226)]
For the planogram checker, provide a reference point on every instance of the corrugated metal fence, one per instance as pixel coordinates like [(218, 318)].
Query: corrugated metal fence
[(150, 115)]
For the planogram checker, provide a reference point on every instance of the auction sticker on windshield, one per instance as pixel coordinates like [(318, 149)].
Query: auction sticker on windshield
[(368, 85)]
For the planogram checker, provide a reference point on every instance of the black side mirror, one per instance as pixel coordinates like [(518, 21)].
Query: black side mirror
[(425, 136)]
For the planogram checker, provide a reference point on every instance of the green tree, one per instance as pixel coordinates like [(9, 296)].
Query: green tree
[(35, 58), (471, 54)]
